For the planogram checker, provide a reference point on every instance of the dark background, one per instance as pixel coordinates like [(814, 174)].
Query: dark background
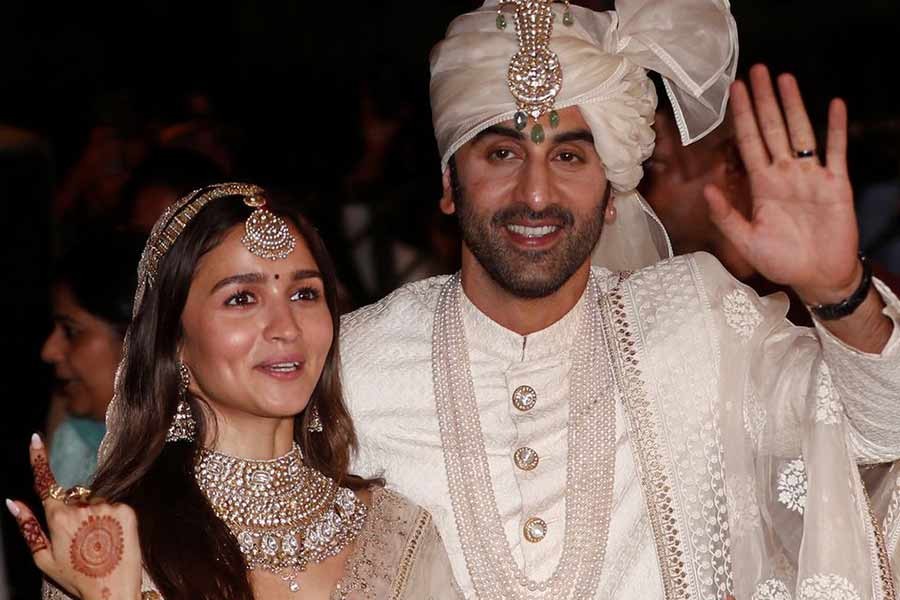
[(289, 67), (284, 77)]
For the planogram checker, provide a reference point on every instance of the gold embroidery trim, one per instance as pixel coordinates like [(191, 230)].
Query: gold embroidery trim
[(352, 580), (410, 554), (884, 561), (623, 353)]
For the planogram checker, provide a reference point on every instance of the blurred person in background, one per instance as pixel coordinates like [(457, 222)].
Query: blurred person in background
[(389, 235), (879, 215), (116, 141), (129, 131), (196, 127), (674, 178), (164, 176), (92, 292), (877, 143)]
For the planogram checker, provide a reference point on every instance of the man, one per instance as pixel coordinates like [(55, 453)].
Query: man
[(587, 433)]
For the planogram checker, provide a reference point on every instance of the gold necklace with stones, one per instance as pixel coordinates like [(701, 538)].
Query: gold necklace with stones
[(284, 514), (590, 463)]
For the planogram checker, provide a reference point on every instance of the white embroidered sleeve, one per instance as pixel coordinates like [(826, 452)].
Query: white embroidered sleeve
[(787, 359), (786, 397), (868, 386)]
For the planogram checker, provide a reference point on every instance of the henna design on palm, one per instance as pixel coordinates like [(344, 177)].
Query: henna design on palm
[(97, 546), (33, 534), (43, 477)]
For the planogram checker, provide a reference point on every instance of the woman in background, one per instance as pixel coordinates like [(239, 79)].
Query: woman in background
[(92, 292)]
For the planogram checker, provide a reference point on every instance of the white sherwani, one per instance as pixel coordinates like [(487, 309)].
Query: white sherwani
[(691, 514)]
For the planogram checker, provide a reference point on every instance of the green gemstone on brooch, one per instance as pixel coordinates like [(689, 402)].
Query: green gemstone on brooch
[(568, 19), (554, 119), (501, 22), (537, 134), (520, 120)]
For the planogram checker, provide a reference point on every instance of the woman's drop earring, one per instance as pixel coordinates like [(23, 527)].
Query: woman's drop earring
[(315, 423), (183, 426)]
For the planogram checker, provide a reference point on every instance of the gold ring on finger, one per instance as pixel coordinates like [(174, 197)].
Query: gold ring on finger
[(78, 494), (57, 492)]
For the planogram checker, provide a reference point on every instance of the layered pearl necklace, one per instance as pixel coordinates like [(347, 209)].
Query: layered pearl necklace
[(590, 463), (284, 514)]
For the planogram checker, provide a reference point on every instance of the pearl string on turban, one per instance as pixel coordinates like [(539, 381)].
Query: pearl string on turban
[(605, 57)]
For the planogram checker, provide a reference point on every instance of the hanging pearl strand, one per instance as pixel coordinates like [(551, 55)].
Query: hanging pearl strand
[(589, 469)]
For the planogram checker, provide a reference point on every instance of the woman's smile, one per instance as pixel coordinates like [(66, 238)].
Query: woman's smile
[(286, 367)]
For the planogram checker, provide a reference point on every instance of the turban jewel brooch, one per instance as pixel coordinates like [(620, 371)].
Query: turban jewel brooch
[(534, 75)]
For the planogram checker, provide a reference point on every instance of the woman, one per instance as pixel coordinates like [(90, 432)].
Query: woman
[(93, 288), (225, 468)]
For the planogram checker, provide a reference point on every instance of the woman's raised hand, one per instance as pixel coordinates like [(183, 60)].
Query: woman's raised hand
[(93, 550)]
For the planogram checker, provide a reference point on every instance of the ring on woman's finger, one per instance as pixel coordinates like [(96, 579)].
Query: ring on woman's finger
[(78, 494), (57, 492), (805, 153)]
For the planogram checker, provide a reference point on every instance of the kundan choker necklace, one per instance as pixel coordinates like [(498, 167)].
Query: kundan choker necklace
[(589, 470), (284, 514)]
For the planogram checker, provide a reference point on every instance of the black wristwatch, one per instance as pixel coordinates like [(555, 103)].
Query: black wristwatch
[(845, 308)]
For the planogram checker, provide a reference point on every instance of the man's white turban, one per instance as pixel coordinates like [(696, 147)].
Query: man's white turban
[(605, 57)]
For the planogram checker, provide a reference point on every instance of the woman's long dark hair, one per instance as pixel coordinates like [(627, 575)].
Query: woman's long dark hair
[(187, 550)]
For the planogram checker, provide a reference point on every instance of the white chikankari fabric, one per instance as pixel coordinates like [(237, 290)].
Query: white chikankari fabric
[(721, 403)]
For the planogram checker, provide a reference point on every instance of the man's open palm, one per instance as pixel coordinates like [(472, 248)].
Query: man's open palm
[(802, 231)]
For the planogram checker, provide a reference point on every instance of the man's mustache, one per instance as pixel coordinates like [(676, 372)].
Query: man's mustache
[(518, 212)]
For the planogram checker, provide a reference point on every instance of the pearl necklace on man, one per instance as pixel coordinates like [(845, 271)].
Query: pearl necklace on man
[(590, 463)]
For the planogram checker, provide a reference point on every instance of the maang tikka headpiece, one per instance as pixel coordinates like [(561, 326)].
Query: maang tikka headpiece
[(265, 234), (534, 75)]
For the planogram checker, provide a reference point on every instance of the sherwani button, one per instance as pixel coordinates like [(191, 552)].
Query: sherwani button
[(524, 398), (535, 529), (526, 458)]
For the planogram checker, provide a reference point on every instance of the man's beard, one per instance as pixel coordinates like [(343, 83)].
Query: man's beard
[(528, 273)]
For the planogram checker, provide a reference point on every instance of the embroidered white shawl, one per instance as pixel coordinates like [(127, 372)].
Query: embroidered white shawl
[(744, 432)]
